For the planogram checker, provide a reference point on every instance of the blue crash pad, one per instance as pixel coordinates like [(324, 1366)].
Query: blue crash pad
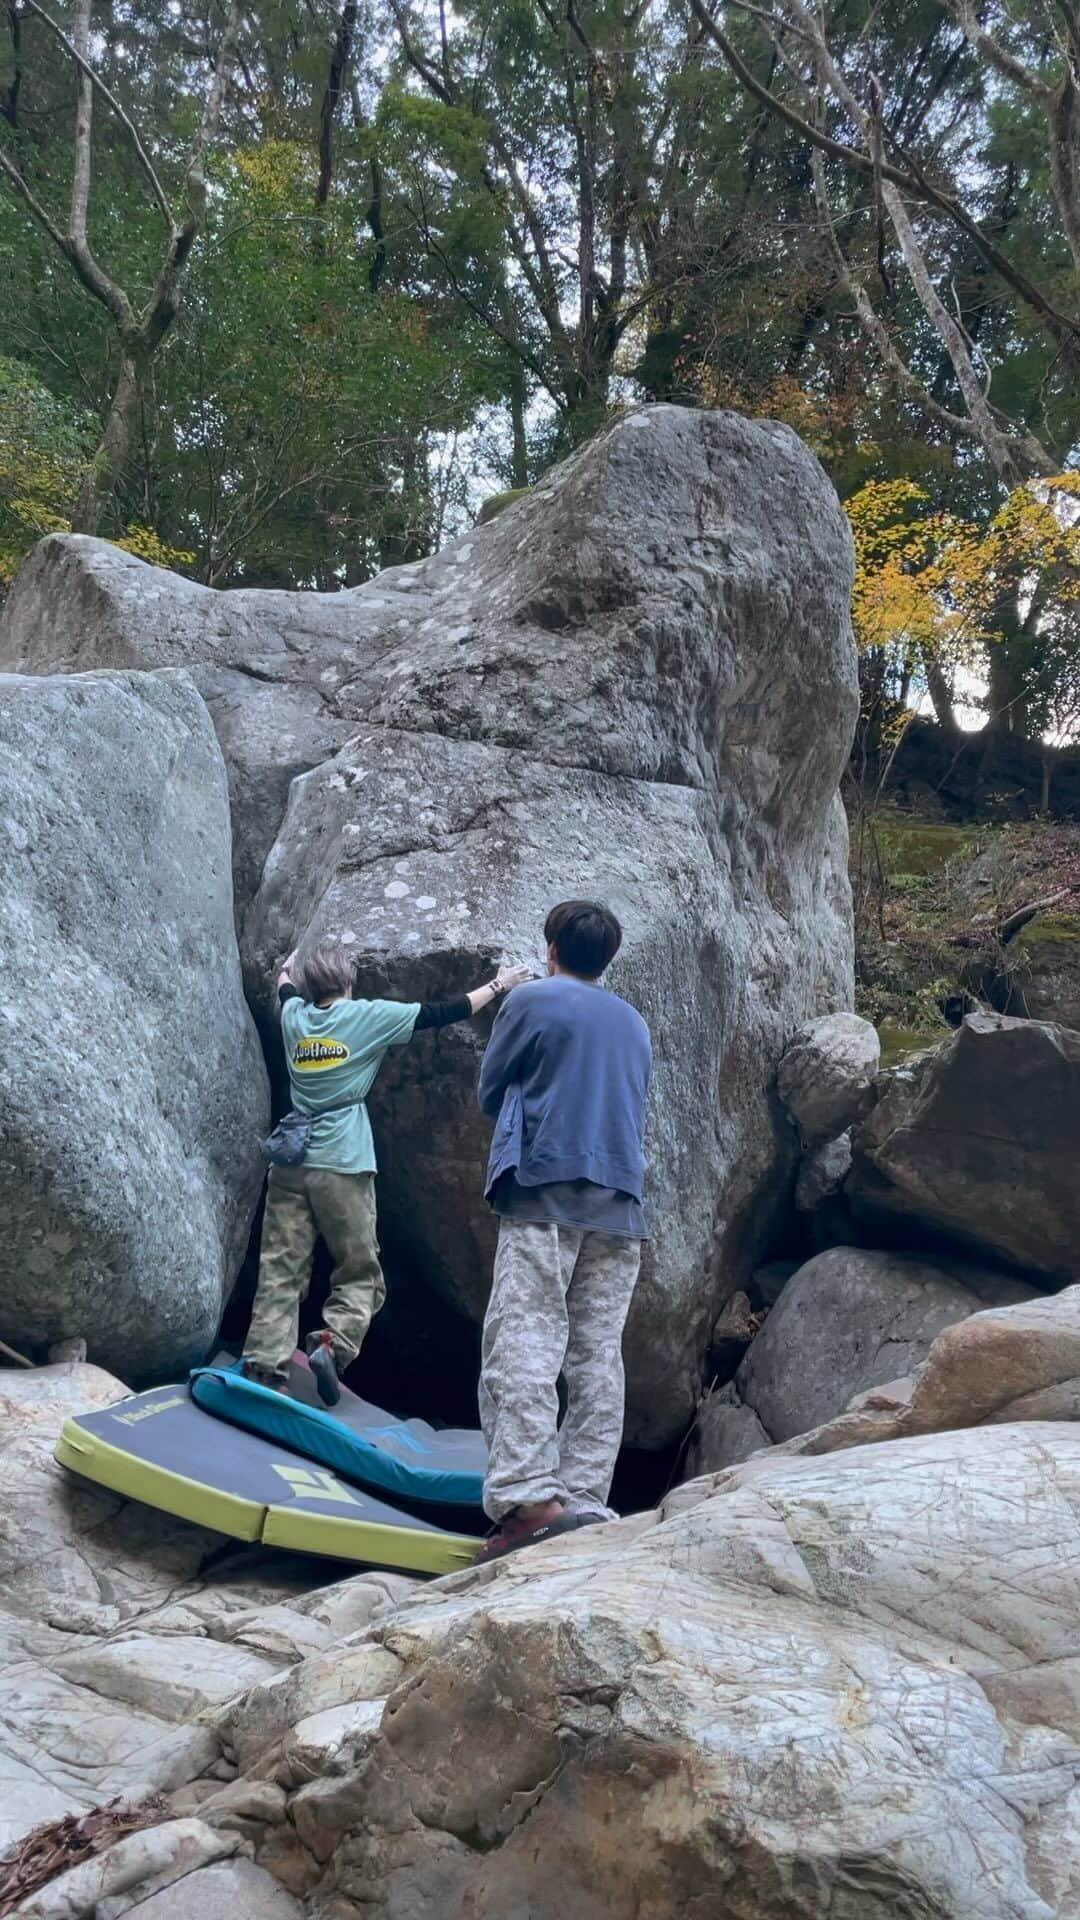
[(405, 1459)]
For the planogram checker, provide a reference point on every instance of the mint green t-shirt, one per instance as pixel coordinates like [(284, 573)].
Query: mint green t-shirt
[(333, 1054)]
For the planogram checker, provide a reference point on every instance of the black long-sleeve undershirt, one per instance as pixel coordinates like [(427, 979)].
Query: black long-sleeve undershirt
[(433, 1013)]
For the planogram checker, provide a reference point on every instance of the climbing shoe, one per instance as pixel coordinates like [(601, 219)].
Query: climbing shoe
[(518, 1530), (324, 1367), (266, 1377)]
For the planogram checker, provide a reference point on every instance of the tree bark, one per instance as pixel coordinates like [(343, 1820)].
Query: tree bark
[(1047, 777), (937, 686), (107, 466), (339, 62)]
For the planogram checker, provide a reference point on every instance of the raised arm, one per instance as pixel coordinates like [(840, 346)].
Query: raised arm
[(505, 1055), (443, 1013), (287, 988)]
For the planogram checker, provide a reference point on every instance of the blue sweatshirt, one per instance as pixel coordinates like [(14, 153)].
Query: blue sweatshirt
[(566, 1077)]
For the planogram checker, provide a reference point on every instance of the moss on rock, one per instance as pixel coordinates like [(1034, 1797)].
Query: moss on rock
[(910, 846), (1047, 930), (497, 502)]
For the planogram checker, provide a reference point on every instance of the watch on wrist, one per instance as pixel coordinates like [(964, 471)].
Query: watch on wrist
[(496, 987)]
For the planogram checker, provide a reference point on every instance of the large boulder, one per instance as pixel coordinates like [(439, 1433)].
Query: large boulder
[(826, 1074), (123, 1628), (822, 1688), (134, 1091), (851, 1319), (637, 681), (663, 785), (267, 664), (977, 1143)]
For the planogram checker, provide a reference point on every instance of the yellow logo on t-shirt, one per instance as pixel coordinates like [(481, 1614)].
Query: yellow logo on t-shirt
[(312, 1054)]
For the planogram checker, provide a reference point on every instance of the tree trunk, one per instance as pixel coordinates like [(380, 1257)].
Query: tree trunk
[(1048, 758), (107, 465), (519, 459), (937, 686)]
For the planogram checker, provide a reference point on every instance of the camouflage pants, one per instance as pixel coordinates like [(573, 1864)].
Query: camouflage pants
[(301, 1203), (558, 1305)]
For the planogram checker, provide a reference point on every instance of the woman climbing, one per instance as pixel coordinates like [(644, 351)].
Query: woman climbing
[(322, 1174)]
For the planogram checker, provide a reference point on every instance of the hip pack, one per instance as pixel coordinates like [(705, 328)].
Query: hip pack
[(287, 1144)]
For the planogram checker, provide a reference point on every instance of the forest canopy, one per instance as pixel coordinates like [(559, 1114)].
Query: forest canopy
[(289, 289)]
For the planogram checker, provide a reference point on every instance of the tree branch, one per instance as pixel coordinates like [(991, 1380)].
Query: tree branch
[(208, 126), (1001, 451), (161, 308), (1064, 329), (998, 56), (89, 76), (9, 106), (339, 62), (873, 325), (93, 279), (84, 122), (427, 73), (1058, 104)]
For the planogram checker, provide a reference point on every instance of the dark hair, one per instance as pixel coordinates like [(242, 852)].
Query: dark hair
[(326, 972), (586, 937)]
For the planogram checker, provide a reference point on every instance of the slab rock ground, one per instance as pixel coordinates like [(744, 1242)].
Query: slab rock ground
[(844, 1688), (133, 1091), (121, 1627)]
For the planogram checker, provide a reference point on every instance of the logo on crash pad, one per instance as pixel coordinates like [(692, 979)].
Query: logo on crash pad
[(312, 1054), (315, 1483)]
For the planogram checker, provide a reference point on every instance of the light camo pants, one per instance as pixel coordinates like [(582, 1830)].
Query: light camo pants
[(558, 1305), (301, 1203)]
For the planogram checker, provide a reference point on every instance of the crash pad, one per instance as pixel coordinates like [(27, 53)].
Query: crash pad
[(163, 1449), (405, 1459)]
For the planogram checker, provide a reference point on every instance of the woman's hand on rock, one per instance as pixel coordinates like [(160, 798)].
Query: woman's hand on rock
[(509, 977)]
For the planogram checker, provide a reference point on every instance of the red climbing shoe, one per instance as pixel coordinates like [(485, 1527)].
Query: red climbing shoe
[(324, 1367), (519, 1529)]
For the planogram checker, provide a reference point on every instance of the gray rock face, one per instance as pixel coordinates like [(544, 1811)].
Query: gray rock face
[(852, 1319), (267, 664), (1004, 1365), (133, 1092), (826, 1074), (228, 1890), (977, 1141), (840, 1687), (660, 576), (822, 1172), (725, 1432), (638, 682)]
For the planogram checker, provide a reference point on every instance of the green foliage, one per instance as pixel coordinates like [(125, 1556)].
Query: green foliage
[(532, 217), (43, 451)]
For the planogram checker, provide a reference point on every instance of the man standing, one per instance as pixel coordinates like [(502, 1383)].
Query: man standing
[(565, 1078)]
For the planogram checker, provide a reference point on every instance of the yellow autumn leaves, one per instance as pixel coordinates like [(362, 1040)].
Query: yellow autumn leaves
[(927, 579)]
